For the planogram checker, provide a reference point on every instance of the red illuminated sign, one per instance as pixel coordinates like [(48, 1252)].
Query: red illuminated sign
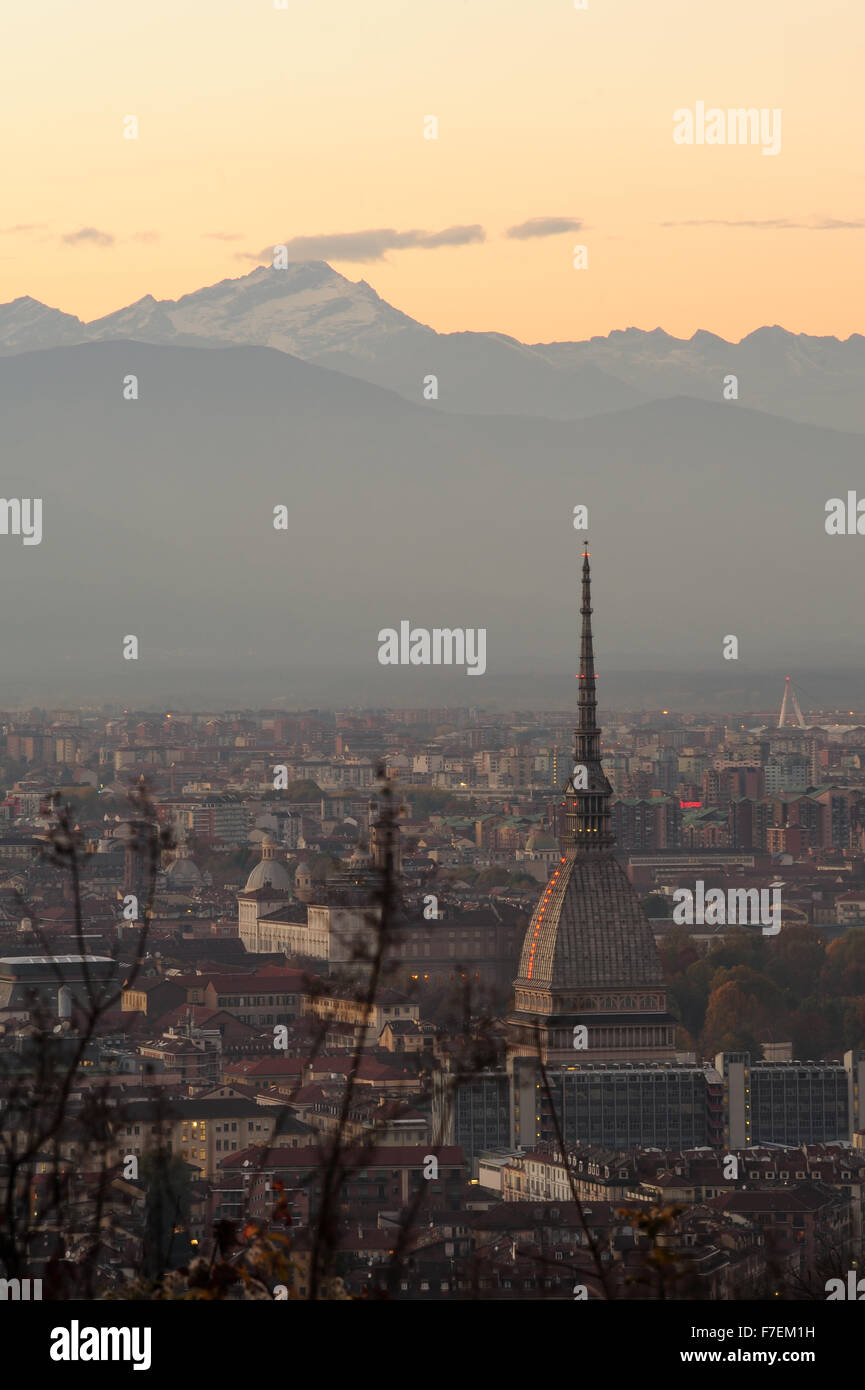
[(690, 803)]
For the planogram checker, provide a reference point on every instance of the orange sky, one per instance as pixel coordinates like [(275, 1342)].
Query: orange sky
[(262, 124)]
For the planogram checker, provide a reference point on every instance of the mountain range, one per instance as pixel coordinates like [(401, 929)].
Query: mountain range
[(310, 311), (706, 517)]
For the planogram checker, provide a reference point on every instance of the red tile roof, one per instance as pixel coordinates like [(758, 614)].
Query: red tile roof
[(265, 1066)]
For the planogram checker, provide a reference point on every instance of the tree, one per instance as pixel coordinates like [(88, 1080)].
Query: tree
[(797, 959), (844, 970), (853, 1035), (168, 1184), (741, 946), (678, 951), (811, 1034), (768, 996), (730, 1021), (492, 877), (46, 1141)]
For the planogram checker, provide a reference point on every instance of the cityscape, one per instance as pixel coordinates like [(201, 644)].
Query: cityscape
[(398, 1003), (432, 675)]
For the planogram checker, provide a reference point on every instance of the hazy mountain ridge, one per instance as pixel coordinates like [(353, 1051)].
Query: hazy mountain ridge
[(312, 312), (706, 519)]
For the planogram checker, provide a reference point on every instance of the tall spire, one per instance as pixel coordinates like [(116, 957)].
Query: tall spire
[(588, 735), (586, 794), (589, 958)]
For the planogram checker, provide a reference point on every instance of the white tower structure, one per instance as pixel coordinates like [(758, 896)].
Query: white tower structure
[(790, 696)]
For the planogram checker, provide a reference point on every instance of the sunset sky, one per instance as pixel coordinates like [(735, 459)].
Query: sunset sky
[(259, 125)]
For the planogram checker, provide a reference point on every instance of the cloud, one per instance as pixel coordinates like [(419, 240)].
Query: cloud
[(453, 236), (222, 236), (371, 245), (774, 224), (543, 226), (85, 235), (23, 227), (93, 237)]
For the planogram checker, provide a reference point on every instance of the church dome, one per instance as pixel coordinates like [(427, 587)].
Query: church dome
[(269, 872), (183, 871)]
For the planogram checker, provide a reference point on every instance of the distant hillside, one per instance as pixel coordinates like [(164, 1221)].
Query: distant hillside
[(706, 519)]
